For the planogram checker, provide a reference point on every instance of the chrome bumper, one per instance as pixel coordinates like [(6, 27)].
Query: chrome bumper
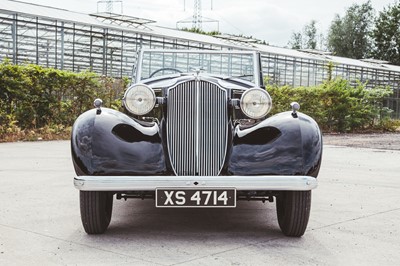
[(150, 183)]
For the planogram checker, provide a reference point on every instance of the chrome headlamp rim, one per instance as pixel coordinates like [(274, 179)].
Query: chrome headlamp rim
[(129, 105), (268, 101)]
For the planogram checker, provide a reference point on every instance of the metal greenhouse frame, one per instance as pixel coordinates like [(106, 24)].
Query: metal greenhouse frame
[(107, 44)]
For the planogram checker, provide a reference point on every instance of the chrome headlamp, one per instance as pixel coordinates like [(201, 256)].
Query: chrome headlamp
[(139, 99), (255, 103)]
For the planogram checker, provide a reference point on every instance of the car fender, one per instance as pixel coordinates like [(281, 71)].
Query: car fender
[(284, 144), (108, 142)]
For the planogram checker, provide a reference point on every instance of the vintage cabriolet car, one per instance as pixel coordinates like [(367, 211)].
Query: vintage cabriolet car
[(196, 133)]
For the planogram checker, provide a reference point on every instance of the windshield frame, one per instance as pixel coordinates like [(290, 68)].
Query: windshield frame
[(254, 55)]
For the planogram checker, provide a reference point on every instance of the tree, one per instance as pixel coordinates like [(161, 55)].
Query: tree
[(297, 41), (350, 36), (386, 35), (310, 34), (305, 39)]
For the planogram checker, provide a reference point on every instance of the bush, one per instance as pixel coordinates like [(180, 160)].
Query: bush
[(37, 102), (336, 105), (33, 97)]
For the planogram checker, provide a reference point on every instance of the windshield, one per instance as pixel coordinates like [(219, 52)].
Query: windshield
[(228, 64)]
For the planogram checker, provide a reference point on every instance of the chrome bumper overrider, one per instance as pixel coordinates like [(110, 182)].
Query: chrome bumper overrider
[(150, 183)]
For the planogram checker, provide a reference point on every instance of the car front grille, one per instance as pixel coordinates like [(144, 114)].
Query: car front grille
[(197, 122)]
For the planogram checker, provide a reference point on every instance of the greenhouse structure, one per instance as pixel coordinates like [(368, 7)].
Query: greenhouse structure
[(108, 43)]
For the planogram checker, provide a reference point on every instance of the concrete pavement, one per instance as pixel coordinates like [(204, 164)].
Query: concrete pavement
[(354, 219)]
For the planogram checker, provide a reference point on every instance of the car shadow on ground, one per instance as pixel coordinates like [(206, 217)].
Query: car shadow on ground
[(137, 218)]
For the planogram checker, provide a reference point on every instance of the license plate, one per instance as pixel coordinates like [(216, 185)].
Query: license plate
[(175, 198)]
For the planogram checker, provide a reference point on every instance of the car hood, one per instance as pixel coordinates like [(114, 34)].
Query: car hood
[(223, 81)]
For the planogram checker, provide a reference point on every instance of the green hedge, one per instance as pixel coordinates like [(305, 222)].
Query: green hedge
[(36, 99), (336, 105), (33, 97)]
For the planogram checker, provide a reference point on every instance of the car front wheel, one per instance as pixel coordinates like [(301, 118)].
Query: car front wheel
[(293, 210), (96, 210)]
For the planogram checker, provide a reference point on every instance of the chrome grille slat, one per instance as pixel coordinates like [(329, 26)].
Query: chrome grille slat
[(197, 128)]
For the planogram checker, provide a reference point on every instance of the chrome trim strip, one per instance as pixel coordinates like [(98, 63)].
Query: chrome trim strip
[(150, 183), (197, 88)]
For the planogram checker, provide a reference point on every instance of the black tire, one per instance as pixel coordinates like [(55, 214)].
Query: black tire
[(96, 210), (293, 210)]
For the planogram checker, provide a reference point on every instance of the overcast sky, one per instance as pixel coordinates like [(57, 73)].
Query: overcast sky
[(271, 20)]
